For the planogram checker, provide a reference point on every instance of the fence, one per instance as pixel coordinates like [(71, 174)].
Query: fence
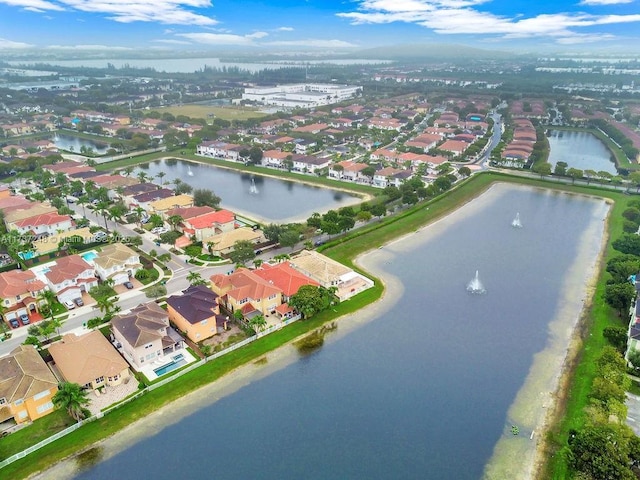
[(150, 388)]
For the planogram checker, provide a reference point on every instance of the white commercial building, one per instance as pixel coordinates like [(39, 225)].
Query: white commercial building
[(302, 95)]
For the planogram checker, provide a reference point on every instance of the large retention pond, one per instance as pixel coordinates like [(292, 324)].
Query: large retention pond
[(581, 150), (424, 384), (261, 198)]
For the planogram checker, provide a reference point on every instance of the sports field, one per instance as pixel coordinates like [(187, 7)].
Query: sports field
[(206, 112)]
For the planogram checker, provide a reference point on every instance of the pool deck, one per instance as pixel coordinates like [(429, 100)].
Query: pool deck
[(148, 370)]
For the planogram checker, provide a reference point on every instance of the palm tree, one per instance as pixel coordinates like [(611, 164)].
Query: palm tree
[(258, 323), (48, 298), (194, 279), (73, 398), (127, 171), (82, 201), (174, 221), (161, 175), (102, 208), (143, 177)]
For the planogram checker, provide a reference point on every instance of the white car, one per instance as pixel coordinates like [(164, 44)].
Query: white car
[(69, 304), (159, 230)]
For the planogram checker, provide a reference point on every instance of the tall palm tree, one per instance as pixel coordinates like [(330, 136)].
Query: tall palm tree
[(82, 201), (102, 209), (127, 171), (194, 279), (48, 298), (73, 398), (174, 221), (142, 177), (161, 175)]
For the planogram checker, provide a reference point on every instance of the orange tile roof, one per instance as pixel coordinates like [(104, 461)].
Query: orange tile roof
[(18, 282), (285, 277), (50, 218), (245, 284), (210, 219), (67, 268)]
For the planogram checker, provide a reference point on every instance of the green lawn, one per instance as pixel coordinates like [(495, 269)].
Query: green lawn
[(345, 250), (34, 433)]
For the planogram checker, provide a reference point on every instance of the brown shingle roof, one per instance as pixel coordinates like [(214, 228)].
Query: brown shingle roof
[(143, 324)]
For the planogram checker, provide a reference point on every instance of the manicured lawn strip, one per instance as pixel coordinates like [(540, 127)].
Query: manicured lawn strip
[(143, 406), (344, 250), (34, 433), (204, 111)]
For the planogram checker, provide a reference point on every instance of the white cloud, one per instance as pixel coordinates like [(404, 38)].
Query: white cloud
[(10, 44), (40, 5), (285, 29), (458, 17), (316, 43), (86, 47), (218, 38), (128, 11), (257, 35), (604, 2), (172, 42)]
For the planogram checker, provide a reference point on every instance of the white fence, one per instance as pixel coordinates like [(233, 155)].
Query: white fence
[(161, 383)]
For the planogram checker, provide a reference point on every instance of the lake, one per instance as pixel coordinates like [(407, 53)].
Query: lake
[(422, 385), (75, 144), (581, 150), (272, 199)]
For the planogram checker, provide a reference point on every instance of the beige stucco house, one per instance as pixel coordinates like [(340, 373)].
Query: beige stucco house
[(118, 262)]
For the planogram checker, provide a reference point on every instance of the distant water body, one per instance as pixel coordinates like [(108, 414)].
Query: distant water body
[(190, 65)]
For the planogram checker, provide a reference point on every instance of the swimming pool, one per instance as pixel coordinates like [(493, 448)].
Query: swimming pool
[(89, 256), (177, 362)]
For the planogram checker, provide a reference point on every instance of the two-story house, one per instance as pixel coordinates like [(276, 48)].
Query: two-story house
[(209, 224), (196, 313), (274, 158), (118, 262), (70, 276), (89, 360), (245, 291), (160, 207), (26, 386), (19, 291), (145, 336), (43, 225), (311, 164)]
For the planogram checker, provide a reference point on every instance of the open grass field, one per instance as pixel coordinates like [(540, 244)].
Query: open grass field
[(204, 111)]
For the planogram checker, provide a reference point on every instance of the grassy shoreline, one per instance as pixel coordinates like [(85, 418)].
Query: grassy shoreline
[(346, 250)]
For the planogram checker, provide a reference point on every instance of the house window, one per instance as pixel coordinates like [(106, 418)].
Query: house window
[(116, 378), (19, 402), (203, 322), (6, 302), (159, 353), (141, 359), (44, 407), (22, 414), (149, 346), (3, 400), (18, 298), (40, 395), (100, 380), (271, 297)]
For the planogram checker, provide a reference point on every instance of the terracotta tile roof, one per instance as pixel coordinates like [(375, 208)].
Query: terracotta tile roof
[(245, 284), (212, 218), (285, 277), (30, 210), (19, 282), (50, 218), (67, 268), (83, 359)]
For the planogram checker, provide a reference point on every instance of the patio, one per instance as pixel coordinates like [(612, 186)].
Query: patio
[(148, 370), (112, 395)]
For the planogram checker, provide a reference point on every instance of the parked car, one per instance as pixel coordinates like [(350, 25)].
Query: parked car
[(14, 323), (69, 304), (79, 302), (24, 318), (159, 230), (129, 285)]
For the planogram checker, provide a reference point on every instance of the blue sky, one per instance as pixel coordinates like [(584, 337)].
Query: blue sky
[(327, 25)]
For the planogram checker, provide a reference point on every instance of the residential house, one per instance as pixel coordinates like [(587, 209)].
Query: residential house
[(196, 313), (118, 262), (313, 128), (144, 200), (329, 273), (222, 243), (43, 224), (384, 178), (70, 277), (304, 146), (160, 207), (19, 290), (274, 158), (52, 242), (145, 336), (285, 277), (209, 224), (311, 164), (245, 291), (30, 210), (457, 147), (351, 171), (89, 360), (189, 212), (27, 386), (5, 191)]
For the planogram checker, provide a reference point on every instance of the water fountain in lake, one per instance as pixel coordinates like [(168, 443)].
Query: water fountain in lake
[(475, 285), (516, 221), (253, 189), (189, 172)]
